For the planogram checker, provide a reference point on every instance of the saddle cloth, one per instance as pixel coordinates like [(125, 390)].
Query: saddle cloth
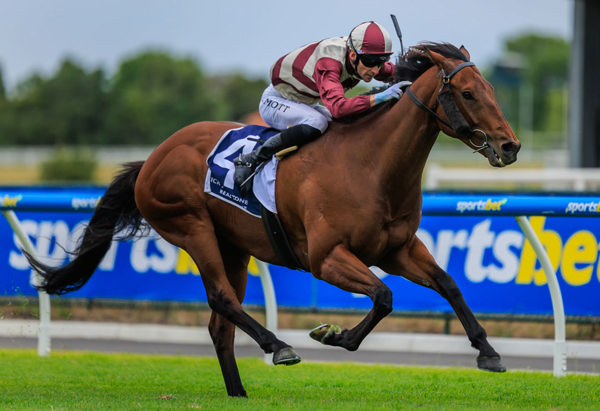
[(219, 178)]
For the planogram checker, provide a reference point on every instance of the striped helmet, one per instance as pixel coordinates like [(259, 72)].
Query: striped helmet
[(370, 38)]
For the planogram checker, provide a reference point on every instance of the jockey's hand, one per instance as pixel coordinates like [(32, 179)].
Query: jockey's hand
[(394, 91)]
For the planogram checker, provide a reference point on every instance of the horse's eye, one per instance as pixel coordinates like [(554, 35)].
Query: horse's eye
[(467, 95)]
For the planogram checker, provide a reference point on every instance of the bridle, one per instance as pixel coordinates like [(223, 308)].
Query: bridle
[(456, 121)]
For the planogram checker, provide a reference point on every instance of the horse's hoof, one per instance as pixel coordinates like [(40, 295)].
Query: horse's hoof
[(323, 332), (286, 356), (490, 363)]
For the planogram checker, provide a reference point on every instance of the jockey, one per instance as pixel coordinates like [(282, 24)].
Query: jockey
[(323, 71)]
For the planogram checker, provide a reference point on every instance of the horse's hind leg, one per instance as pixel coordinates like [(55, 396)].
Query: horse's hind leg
[(416, 264), (222, 331), (204, 249)]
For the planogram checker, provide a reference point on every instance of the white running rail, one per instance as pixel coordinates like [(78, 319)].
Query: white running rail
[(575, 179)]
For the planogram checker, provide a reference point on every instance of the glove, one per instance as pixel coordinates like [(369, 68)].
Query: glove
[(394, 91)]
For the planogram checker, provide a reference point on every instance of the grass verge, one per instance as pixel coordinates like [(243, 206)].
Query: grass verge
[(80, 380)]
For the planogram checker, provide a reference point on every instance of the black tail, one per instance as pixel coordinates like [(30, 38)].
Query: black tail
[(115, 212)]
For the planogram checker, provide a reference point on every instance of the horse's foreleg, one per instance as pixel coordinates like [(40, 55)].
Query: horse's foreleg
[(488, 358), (344, 270), (416, 264)]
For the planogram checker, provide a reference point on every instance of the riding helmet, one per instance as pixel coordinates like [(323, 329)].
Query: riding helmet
[(370, 38)]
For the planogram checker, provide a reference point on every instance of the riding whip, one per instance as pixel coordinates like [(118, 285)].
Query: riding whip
[(398, 32)]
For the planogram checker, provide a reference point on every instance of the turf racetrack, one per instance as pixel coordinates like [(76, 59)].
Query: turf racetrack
[(81, 380)]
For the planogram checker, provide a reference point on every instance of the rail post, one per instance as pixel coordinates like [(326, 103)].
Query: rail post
[(560, 344), (270, 301), (44, 298)]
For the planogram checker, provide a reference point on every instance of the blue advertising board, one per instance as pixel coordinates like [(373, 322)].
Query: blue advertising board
[(489, 257)]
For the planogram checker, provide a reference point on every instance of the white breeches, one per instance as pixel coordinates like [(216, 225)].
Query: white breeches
[(281, 113)]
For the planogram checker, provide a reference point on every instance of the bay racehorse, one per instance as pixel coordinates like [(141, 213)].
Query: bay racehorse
[(349, 200)]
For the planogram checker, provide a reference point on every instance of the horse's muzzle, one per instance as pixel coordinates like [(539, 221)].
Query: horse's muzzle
[(505, 155), (509, 152)]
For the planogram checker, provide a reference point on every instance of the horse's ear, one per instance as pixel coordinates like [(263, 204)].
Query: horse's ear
[(435, 58), (465, 52)]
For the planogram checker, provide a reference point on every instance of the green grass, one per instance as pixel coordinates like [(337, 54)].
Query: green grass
[(80, 381)]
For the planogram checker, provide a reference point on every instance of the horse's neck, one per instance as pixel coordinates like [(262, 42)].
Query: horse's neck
[(406, 141)]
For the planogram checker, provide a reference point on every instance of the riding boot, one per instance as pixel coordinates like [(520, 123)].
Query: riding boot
[(246, 164)]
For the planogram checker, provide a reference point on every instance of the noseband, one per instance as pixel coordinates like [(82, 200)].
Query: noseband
[(456, 120)]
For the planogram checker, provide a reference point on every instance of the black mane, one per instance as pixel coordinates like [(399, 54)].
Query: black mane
[(414, 62), (409, 66)]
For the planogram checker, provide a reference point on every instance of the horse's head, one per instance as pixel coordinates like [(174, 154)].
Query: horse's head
[(470, 111)]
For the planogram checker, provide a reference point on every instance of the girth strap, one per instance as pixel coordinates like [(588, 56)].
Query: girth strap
[(279, 240)]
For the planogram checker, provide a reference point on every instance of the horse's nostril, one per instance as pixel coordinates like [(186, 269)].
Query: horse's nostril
[(510, 148)]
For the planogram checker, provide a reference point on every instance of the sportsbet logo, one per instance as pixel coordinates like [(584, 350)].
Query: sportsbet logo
[(579, 207), (8, 201), (482, 252), (481, 205), (576, 258), (505, 256)]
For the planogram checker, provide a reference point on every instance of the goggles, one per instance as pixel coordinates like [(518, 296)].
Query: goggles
[(372, 60)]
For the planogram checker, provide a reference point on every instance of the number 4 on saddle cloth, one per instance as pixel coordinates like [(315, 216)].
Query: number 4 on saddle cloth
[(261, 201), (219, 179)]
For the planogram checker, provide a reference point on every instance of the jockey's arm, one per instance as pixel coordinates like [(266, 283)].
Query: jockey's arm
[(327, 78)]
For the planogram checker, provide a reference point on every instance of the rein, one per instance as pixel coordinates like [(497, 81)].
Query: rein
[(456, 121)]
